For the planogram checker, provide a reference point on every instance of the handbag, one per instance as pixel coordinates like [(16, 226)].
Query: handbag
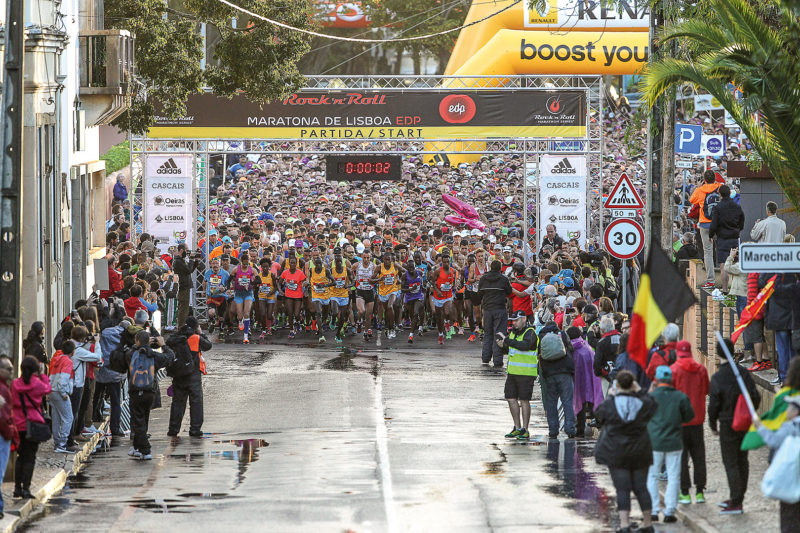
[(35, 431), (741, 415), (780, 479)]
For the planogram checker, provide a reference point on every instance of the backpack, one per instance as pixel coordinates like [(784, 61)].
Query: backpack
[(710, 202), (116, 360), (142, 371), (551, 347), (183, 363)]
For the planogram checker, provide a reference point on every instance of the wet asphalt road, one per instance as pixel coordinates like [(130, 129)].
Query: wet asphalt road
[(301, 437)]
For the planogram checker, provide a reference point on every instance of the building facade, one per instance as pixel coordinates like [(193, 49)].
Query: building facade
[(76, 76)]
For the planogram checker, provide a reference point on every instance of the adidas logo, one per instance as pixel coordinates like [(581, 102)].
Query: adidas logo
[(563, 167), (169, 167)]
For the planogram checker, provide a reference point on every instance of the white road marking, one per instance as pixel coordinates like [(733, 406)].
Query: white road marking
[(382, 441)]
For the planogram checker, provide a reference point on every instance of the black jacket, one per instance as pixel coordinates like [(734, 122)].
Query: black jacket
[(783, 308), (624, 444), (686, 252), (494, 289), (565, 365), (181, 337), (723, 393), (605, 355), (183, 269), (727, 220)]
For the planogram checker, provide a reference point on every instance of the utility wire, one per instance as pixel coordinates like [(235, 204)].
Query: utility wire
[(358, 40)]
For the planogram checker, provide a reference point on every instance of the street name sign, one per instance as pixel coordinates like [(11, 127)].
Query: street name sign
[(769, 257)]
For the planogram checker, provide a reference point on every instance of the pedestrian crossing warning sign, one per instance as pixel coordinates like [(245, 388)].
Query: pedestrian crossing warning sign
[(624, 195)]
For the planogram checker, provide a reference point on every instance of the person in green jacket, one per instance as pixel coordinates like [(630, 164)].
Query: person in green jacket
[(665, 429)]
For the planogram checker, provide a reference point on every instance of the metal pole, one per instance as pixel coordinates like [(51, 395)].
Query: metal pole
[(11, 176), (624, 287), (525, 199)]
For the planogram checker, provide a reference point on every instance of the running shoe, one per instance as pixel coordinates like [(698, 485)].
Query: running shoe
[(471, 338), (449, 334), (245, 340), (211, 328), (758, 366), (699, 497), (708, 285), (338, 339), (410, 338), (419, 331), (441, 338), (460, 330), (291, 335), (513, 433), (451, 331), (321, 338), (523, 434), (133, 452), (731, 509), (685, 499), (269, 331), (359, 327), (241, 325), (263, 335), (369, 333), (766, 365), (366, 337)]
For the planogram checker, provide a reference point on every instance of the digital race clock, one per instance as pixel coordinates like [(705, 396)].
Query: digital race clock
[(362, 167)]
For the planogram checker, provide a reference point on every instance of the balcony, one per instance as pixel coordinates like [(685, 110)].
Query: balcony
[(106, 72)]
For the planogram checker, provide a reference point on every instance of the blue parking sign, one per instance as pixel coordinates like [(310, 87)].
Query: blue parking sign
[(687, 138)]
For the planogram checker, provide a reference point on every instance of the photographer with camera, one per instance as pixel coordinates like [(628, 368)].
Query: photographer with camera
[(87, 351), (183, 265)]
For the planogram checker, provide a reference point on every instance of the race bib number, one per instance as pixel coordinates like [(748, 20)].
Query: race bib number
[(264, 291), (319, 287), (292, 285), (388, 280), (244, 283), (445, 287), (414, 288), (214, 282), (339, 283), (364, 284)]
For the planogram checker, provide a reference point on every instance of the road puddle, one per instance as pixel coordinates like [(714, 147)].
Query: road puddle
[(246, 452)]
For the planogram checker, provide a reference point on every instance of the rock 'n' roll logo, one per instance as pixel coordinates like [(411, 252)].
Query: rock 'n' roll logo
[(554, 105), (457, 108)]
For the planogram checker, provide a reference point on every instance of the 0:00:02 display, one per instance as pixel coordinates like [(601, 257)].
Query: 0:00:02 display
[(365, 168)]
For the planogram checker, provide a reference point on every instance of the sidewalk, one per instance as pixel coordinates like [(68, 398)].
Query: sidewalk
[(49, 477)]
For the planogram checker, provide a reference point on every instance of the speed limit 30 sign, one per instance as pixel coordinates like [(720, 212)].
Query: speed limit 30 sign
[(624, 238)]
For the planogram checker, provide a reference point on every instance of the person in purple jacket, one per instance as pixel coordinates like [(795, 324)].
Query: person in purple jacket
[(588, 387)]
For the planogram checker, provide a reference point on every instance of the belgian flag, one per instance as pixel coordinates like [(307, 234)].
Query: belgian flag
[(663, 296)]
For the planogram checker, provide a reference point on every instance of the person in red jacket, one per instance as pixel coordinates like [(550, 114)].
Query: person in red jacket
[(691, 378), (754, 334), (114, 279), (136, 302), (31, 388), (666, 354)]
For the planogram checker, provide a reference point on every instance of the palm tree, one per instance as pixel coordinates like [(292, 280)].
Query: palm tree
[(736, 46)]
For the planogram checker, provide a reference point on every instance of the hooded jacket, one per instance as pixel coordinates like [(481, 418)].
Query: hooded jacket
[(61, 374), (699, 196), (588, 387), (494, 289), (565, 365), (32, 393), (723, 393), (624, 441), (674, 410), (82, 357), (691, 378)]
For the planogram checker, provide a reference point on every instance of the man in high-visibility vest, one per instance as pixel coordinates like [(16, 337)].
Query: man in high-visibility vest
[(190, 385), (522, 346)]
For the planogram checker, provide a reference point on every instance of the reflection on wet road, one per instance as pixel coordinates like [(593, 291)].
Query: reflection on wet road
[(318, 439)]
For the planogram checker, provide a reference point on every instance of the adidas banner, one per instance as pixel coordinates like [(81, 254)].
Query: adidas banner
[(168, 199), (562, 196)]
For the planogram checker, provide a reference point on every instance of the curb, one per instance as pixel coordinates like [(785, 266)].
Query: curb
[(57, 482), (696, 523)]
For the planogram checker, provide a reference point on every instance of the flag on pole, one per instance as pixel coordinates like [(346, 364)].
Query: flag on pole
[(754, 308), (663, 296), (772, 419)]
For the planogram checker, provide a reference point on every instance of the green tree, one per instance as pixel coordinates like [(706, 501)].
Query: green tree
[(253, 56), (740, 43)]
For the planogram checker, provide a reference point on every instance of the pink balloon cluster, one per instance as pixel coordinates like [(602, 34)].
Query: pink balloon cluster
[(467, 215)]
